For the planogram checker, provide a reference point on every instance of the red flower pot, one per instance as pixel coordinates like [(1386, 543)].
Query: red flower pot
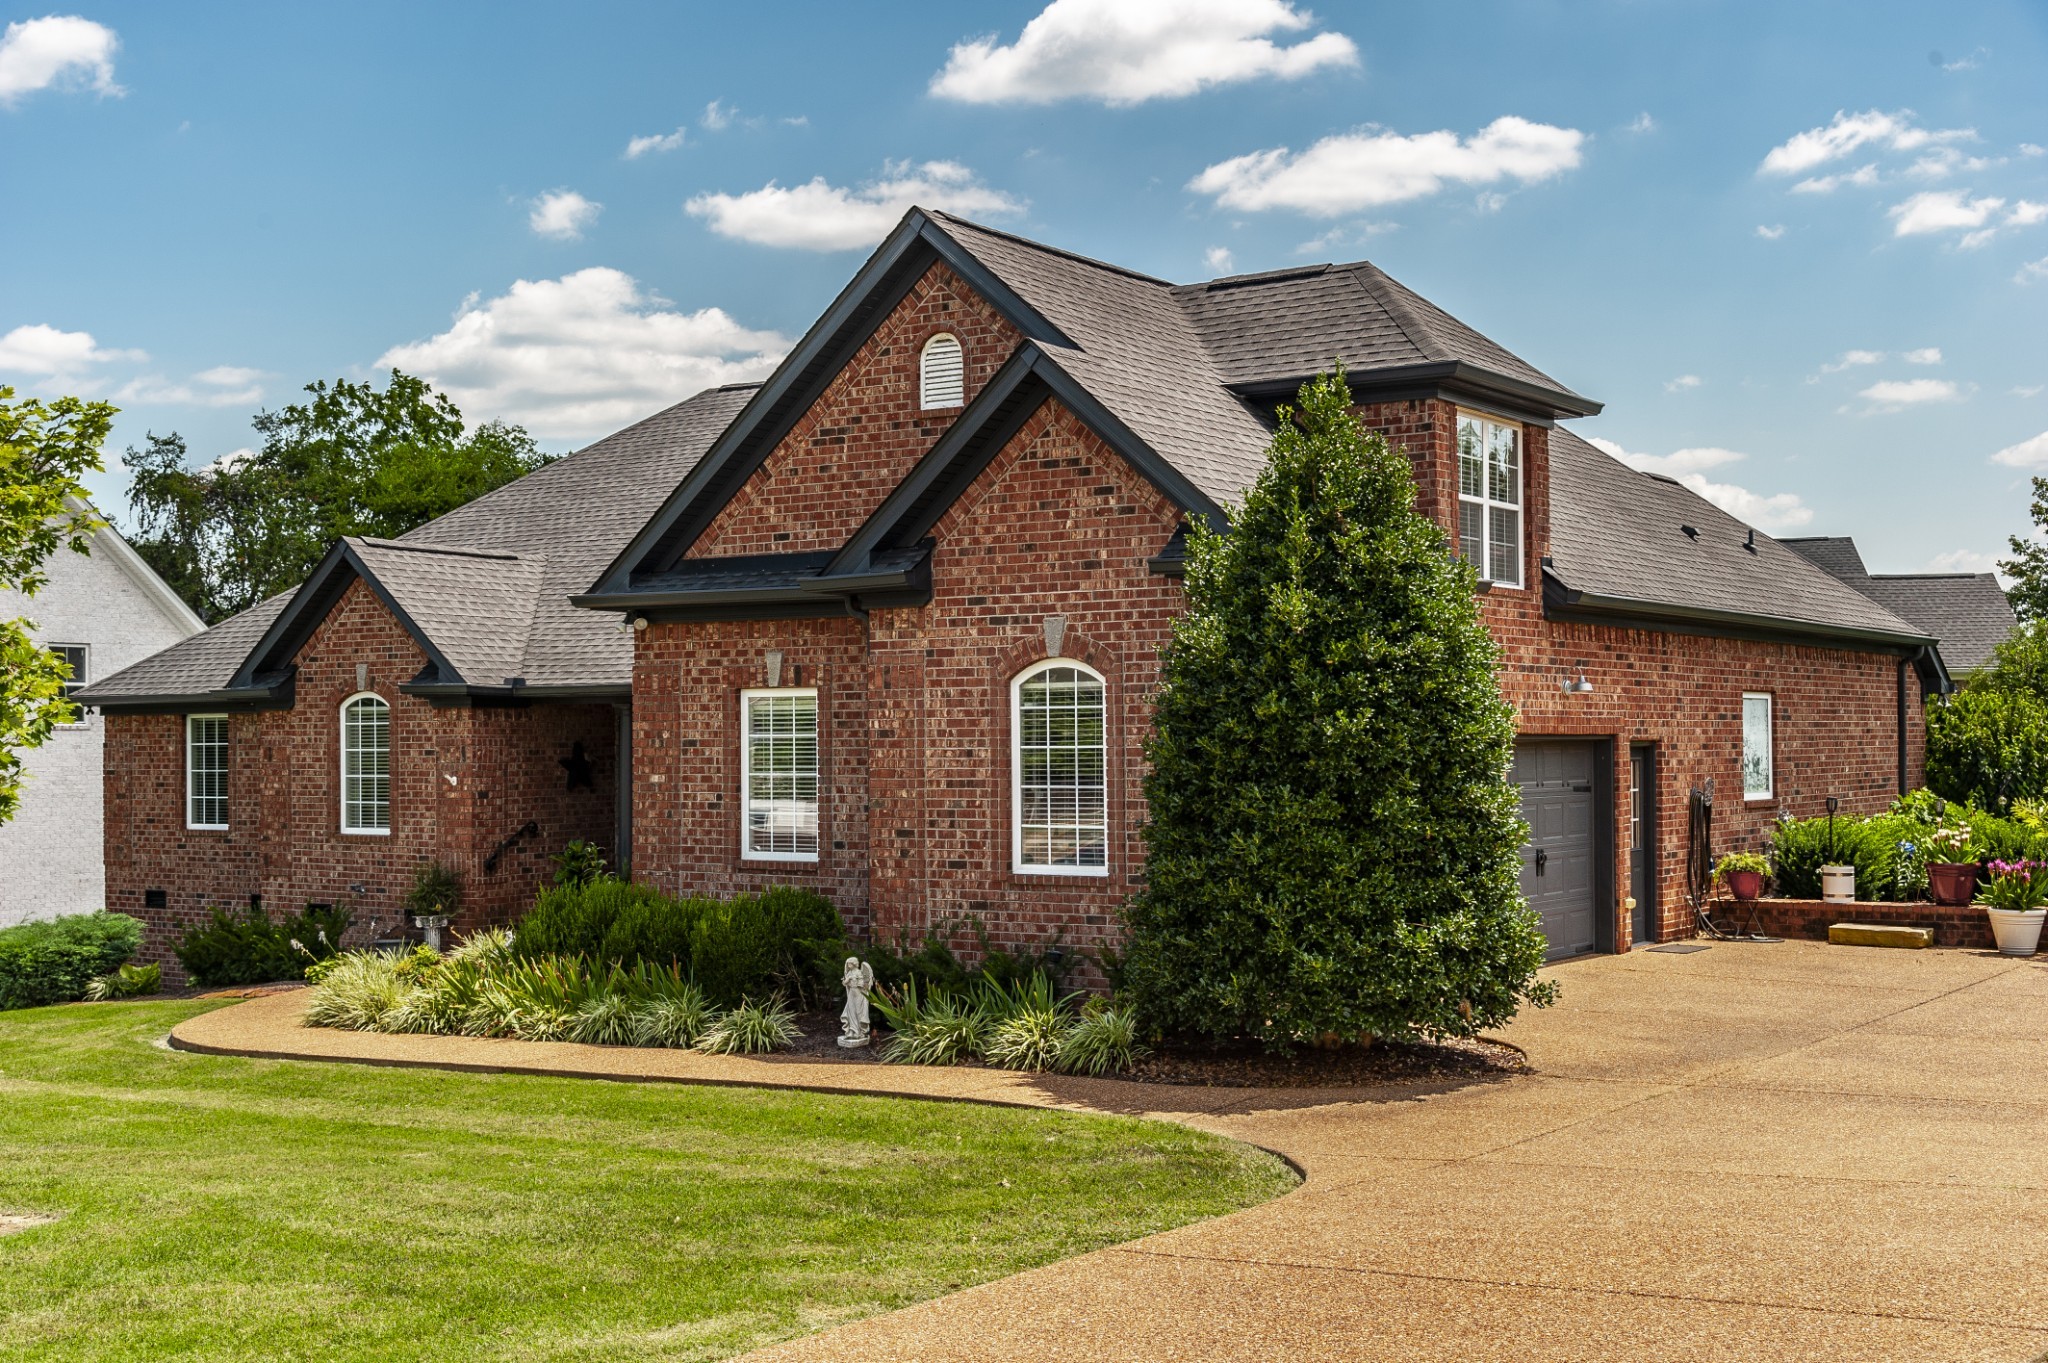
[(1952, 882), (1745, 885)]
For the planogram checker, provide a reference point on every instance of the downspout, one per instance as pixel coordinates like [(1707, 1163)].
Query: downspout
[(1904, 663), (622, 821)]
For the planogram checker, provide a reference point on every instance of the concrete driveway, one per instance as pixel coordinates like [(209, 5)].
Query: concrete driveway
[(1750, 1152), (1754, 1152)]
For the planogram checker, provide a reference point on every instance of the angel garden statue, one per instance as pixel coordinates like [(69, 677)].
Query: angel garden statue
[(859, 978)]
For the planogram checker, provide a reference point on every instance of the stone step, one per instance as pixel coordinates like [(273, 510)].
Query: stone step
[(1879, 935)]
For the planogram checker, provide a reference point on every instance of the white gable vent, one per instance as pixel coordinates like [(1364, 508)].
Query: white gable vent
[(941, 373)]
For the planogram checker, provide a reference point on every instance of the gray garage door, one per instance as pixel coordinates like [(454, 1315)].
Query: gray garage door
[(1556, 781)]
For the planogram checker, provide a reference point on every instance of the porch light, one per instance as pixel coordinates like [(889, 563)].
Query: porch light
[(1578, 686)]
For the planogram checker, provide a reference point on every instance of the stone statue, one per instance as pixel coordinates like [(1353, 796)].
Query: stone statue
[(859, 978)]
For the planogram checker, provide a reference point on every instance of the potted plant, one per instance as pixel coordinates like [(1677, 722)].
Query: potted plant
[(1951, 875), (1743, 873), (435, 895), (2014, 900)]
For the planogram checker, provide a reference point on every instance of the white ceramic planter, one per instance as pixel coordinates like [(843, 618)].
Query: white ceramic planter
[(2017, 931), (1838, 884)]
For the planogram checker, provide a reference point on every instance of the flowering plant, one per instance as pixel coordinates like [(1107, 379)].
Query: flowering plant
[(1950, 843), (2016, 885)]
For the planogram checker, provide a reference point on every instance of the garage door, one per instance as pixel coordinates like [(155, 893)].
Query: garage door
[(1556, 781)]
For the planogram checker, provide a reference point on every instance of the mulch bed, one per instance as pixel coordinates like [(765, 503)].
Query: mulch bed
[(1242, 1064)]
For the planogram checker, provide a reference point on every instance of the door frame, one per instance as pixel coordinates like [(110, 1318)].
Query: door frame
[(1651, 847), (1606, 903)]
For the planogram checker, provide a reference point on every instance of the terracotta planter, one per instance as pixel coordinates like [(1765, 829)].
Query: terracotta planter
[(2017, 931), (1745, 885), (1952, 882)]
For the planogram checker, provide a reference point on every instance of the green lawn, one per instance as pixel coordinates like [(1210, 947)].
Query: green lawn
[(240, 1209)]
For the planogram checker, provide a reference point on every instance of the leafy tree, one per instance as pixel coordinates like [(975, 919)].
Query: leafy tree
[(351, 460), (2019, 663), (45, 448), (1988, 746), (2028, 566), (1334, 844)]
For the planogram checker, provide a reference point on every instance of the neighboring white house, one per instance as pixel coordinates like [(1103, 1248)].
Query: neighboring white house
[(103, 611)]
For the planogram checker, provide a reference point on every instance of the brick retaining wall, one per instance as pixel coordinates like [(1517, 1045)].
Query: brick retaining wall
[(1961, 925)]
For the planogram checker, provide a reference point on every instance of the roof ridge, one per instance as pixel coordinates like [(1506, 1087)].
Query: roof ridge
[(1392, 295), (1075, 256), (430, 547)]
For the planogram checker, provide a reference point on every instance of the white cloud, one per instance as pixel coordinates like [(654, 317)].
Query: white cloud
[(2028, 454), (1969, 63), (1682, 383), (1896, 395), (1776, 511), (1963, 561), (1771, 233), (2031, 390), (1219, 259), (1852, 359), (1848, 132), (59, 50), (1642, 123), (654, 142), (40, 349), (1953, 210), (582, 355), (1124, 52), (2026, 213), (1366, 168), (2033, 272), (1828, 184), (562, 215), (718, 115), (233, 459), (1343, 238), (1925, 355), (822, 217), (222, 386)]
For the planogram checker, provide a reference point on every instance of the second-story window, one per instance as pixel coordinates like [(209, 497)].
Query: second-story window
[(1490, 497), (941, 373)]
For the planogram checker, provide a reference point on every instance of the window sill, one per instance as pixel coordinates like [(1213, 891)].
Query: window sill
[(366, 832), (206, 828), (769, 859), (1029, 874)]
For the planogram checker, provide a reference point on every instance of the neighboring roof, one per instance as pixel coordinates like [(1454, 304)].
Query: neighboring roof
[(485, 587), (1968, 612), (1620, 548), (108, 541), (1178, 378)]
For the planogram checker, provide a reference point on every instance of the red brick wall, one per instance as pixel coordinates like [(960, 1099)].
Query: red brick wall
[(865, 431), (461, 781)]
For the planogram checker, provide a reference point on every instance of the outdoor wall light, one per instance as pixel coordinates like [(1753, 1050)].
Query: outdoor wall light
[(1576, 686)]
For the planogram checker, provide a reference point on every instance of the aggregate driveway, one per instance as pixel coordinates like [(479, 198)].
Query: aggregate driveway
[(1752, 1152)]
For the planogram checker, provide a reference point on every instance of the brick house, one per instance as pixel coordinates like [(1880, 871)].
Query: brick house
[(888, 624)]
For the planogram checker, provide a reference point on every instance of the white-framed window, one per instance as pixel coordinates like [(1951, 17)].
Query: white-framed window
[(941, 373), (365, 764), (78, 657), (779, 774), (206, 771), (1059, 770), (1490, 497), (1756, 745)]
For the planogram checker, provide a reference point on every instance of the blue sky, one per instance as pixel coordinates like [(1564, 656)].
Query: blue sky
[(1800, 252)]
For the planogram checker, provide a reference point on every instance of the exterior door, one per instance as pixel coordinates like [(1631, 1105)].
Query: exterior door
[(1558, 878), (1642, 841)]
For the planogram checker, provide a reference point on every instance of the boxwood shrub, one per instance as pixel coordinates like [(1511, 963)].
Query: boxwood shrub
[(54, 961), (248, 948), (783, 940)]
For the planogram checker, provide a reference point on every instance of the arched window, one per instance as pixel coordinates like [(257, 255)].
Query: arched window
[(1059, 771), (365, 764), (941, 373)]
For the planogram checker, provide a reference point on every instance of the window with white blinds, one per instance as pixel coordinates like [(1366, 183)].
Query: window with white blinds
[(1059, 771), (365, 765), (941, 373), (206, 771), (779, 775)]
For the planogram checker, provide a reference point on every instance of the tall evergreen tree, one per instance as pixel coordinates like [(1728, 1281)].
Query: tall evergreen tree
[(1334, 844)]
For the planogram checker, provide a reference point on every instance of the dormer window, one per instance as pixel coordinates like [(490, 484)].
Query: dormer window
[(1490, 497), (941, 373)]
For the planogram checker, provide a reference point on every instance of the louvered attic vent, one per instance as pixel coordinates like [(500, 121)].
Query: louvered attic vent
[(941, 373)]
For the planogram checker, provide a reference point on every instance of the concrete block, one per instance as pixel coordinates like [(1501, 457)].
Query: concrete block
[(1879, 935)]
